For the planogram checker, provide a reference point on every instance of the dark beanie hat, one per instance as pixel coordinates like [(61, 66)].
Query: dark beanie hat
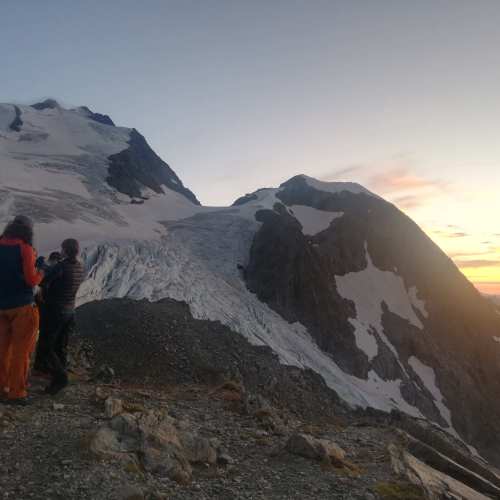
[(71, 247), (23, 220)]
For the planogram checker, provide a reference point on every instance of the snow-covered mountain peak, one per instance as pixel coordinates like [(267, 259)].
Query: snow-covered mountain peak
[(71, 168), (46, 104), (56, 132)]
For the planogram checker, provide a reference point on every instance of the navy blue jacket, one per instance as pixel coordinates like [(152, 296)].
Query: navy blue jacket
[(18, 275)]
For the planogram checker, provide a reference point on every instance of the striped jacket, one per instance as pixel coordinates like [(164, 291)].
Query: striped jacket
[(61, 284)]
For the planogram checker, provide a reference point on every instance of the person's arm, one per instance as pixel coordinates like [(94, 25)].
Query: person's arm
[(32, 276)]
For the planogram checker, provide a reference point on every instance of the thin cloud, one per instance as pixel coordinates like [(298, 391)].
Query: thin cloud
[(402, 179), (394, 180), (463, 264), (461, 255), (454, 234), (406, 189)]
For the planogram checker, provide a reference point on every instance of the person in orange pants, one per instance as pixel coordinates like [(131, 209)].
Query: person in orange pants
[(18, 312)]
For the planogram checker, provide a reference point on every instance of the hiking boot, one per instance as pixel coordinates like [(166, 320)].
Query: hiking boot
[(56, 387)]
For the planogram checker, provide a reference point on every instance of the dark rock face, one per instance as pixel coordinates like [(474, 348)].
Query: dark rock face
[(139, 166), (17, 123), (245, 199), (98, 117), (284, 271), (104, 119), (295, 275), (47, 104)]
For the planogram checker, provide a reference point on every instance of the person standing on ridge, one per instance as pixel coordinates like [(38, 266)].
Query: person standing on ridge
[(18, 313), (60, 287), (40, 366)]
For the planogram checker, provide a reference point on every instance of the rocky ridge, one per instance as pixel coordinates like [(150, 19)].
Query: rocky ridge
[(122, 431)]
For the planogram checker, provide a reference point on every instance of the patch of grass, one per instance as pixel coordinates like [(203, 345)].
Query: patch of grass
[(264, 441), (133, 467), (342, 467), (228, 391), (398, 491), (134, 407)]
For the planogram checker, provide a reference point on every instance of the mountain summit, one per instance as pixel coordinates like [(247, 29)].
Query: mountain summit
[(328, 275), (76, 167)]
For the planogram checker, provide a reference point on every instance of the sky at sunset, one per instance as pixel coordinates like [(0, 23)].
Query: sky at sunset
[(401, 96)]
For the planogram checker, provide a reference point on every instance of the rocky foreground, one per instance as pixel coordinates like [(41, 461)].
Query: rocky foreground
[(163, 406)]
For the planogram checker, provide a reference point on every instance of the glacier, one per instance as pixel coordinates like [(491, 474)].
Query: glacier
[(198, 261)]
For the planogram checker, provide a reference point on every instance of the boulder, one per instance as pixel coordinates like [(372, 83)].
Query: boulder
[(112, 407), (105, 444), (152, 440), (317, 449), (435, 483), (198, 449)]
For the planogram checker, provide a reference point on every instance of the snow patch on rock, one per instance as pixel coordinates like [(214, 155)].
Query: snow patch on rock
[(312, 220), (374, 386), (428, 378), (368, 289), (265, 200)]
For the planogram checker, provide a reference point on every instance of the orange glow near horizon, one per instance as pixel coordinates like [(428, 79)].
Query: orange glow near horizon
[(478, 259), (476, 254), (488, 288), (458, 216), (485, 279)]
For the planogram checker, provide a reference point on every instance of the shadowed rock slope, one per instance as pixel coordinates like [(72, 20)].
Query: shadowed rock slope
[(453, 331)]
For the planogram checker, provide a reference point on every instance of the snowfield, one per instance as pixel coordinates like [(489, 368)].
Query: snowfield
[(368, 289), (312, 220), (428, 378)]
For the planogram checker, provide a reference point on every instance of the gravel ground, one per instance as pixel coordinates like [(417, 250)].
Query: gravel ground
[(156, 356), (43, 453)]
